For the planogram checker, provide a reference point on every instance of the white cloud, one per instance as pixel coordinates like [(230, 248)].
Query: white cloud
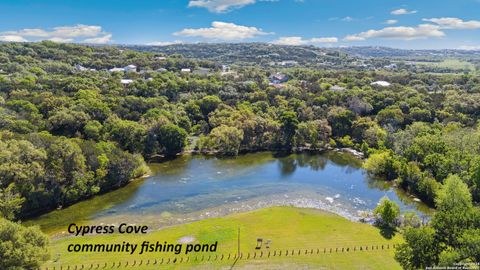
[(12, 38), (298, 41), (220, 6), (164, 43), (454, 23), (399, 32), (73, 33), (223, 31), (402, 11), (99, 40), (61, 40), (79, 30), (470, 48), (347, 19), (391, 21)]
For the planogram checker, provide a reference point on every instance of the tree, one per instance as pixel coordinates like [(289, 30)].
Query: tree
[(289, 126), (340, 119), (382, 164), (388, 212), (224, 140), (172, 139), (21, 247), (10, 202), (420, 249), (315, 134), (454, 195), (208, 104)]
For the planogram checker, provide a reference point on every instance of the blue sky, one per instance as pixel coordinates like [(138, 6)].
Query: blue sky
[(403, 24)]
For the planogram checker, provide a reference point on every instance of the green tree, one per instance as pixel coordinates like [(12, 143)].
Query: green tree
[(21, 247), (223, 140), (388, 212), (289, 123), (420, 249), (10, 202), (172, 139)]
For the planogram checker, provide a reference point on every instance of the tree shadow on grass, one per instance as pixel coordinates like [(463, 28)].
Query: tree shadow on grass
[(387, 232)]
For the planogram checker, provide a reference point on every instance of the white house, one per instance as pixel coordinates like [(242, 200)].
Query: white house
[(186, 70), (381, 83), (126, 82), (130, 68), (116, 70), (289, 63)]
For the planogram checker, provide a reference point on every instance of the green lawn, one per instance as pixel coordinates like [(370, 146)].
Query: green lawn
[(289, 229)]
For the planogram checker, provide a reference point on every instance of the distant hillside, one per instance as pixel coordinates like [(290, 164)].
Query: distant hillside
[(375, 51), (261, 53)]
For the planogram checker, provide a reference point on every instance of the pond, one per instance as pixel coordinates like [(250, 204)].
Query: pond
[(194, 187)]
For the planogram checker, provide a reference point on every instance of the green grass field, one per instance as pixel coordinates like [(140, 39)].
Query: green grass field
[(291, 230), (454, 64)]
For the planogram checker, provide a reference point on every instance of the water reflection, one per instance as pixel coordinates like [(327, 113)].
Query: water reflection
[(197, 184)]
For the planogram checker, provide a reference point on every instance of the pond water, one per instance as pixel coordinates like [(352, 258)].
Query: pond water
[(190, 188)]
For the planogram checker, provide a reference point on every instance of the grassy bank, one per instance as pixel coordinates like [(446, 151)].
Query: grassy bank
[(289, 229)]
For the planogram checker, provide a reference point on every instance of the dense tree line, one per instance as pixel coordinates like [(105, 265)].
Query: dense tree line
[(417, 132)]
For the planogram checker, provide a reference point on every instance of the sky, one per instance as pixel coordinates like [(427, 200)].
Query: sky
[(419, 24)]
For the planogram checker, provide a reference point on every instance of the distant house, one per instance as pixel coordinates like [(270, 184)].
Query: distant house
[(130, 68), (225, 68), (337, 88), (288, 63), (82, 68), (126, 82), (161, 58), (161, 70), (116, 70), (391, 66), (278, 78), (186, 70), (381, 83)]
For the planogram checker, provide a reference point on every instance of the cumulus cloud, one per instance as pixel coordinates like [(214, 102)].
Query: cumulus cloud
[(399, 32), (89, 33), (402, 11), (223, 31), (163, 43), (99, 40), (298, 41), (391, 21), (12, 38), (220, 6), (454, 23)]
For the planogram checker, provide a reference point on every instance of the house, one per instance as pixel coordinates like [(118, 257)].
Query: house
[(391, 66), (381, 83), (337, 88), (278, 78), (82, 68), (161, 70), (160, 58), (288, 63), (116, 70), (225, 68), (130, 68), (126, 82), (186, 70)]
